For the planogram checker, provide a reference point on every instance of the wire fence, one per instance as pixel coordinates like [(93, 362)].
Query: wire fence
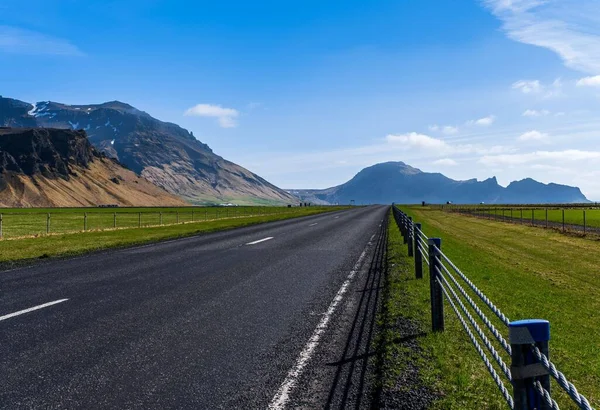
[(521, 362), (17, 224), (583, 220)]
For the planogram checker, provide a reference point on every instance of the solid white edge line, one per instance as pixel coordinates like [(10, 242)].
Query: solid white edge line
[(260, 240), (283, 394), (31, 309)]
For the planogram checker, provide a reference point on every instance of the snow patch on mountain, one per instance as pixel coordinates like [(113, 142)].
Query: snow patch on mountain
[(108, 124), (32, 111), (37, 109)]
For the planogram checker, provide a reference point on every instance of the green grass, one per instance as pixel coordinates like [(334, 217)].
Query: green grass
[(20, 222), (400, 303), (528, 273), (69, 244)]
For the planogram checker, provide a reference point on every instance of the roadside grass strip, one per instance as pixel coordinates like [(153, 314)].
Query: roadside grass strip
[(35, 222), (79, 243)]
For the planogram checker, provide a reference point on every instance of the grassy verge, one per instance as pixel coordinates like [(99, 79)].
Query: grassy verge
[(528, 273), (401, 362), (447, 362), (20, 222), (79, 243)]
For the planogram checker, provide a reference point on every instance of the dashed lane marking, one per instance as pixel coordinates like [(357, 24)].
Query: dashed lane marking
[(31, 309), (260, 240)]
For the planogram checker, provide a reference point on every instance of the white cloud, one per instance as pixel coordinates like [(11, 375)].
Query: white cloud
[(484, 122), (535, 87), (450, 130), (446, 129), (570, 28), (539, 156), (226, 116), (446, 162), (533, 136), (437, 147), (536, 113), (528, 86), (19, 41), (416, 140), (589, 81)]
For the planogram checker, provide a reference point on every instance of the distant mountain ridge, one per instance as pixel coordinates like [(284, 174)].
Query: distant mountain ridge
[(41, 167), (398, 182), (162, 152)]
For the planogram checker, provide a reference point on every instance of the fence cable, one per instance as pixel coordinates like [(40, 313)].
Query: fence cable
[(482, 335), (545, 394), (423, 250), (479, 293), (488, 364), (423, 243), (571, 390), (483, 317), (422, 234)]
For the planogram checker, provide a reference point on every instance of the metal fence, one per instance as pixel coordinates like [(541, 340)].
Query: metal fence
[(16, 224), (529, 371)]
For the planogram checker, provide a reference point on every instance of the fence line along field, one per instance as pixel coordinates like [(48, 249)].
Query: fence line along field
[(20, 222), (575, 218)]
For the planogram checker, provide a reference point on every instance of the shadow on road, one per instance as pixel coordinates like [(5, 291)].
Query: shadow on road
[(351, 384)]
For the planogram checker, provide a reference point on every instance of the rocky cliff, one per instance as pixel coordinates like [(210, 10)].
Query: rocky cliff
[(57, 167)]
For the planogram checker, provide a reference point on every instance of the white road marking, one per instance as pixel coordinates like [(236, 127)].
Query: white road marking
[(260, 240), (283, 394), (316, 223), (335, 217), (31, 309)]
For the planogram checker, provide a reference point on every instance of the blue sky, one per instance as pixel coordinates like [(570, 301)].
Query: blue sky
[(307, 93)]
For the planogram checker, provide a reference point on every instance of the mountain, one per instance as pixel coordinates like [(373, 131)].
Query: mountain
[(162, 152), (398, 182), (55, 167)]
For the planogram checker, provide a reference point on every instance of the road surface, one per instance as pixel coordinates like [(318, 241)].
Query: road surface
[(277, 315)]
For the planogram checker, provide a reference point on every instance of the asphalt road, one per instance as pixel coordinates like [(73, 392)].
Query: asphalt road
[(224, 320)]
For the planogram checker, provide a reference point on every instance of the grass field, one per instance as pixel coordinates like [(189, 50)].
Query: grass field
[(68, 244), (528, 273), (39, 221), (573, 216)]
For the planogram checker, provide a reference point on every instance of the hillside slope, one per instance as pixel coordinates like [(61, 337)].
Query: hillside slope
[(54, 167), (162, 152), (398, 182)]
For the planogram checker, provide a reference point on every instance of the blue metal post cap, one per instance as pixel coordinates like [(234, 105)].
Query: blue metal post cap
[(539, 329)]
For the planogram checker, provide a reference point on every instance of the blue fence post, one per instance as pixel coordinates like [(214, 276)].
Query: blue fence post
[(437, 301), (525, 368), (417, 249), (404, 228), (410, 233)]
